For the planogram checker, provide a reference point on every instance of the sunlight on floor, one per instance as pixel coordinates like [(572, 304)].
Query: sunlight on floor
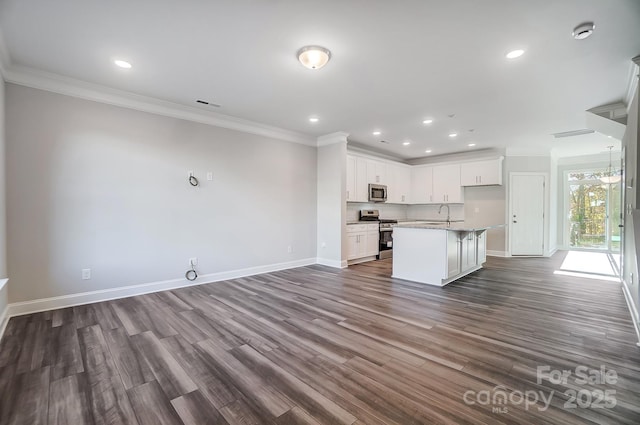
[(590, 265)]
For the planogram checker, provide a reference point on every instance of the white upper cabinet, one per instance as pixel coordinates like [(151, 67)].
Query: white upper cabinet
[(357, 185), (446, 184), (376, 172), (398, 183), (481, 173), (351, 178), (421, 184)]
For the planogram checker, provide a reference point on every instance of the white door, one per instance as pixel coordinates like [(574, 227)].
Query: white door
[(526, 223)]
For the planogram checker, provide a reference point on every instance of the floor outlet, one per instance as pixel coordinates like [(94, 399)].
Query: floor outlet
[(86, 274)]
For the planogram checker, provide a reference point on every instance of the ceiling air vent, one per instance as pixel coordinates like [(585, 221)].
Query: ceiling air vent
[(573, 133)]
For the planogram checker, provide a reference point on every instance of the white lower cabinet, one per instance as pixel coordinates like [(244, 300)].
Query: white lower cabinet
[(467, 251), (481, 247), (363, 241), (453, 254)]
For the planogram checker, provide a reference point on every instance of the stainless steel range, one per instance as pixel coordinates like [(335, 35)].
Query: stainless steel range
[(386, 231)]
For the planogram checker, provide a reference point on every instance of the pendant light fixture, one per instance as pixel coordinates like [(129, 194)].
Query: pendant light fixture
[(611, 176), (314, 57)]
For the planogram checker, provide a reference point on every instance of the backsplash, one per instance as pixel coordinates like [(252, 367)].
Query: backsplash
[(389, 211), (430, 212), (405, 212)]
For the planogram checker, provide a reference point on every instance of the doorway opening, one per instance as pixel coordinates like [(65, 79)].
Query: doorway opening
[(592, 210)]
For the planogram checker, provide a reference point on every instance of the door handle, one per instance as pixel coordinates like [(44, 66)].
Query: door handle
[(620, 225), (514, 221)]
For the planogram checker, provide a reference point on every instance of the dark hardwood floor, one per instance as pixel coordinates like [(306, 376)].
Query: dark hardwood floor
[(315, 345)]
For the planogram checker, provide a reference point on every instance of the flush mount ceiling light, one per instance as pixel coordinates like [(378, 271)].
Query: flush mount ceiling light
[(427, 121), (427, 151), (406, 143), (376, 133), (515, 54), (314, 57), (583, 30), (471, 145), (122, 64), (453, 135), (314, 119)]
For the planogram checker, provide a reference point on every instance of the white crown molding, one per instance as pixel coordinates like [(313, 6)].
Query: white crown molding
[(55, 83), (632, 85), (333, 138)]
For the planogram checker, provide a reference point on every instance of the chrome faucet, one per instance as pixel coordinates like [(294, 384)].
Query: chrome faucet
[(448, 213)]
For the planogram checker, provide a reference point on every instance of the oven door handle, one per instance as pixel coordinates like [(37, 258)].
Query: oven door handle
[(386, 230)]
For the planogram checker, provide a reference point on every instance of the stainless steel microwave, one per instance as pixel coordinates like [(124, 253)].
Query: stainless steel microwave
[(377, 193)]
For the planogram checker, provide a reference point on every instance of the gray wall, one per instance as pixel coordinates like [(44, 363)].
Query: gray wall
[(332, 205), (4, 291), (95, 186), (630, 142)]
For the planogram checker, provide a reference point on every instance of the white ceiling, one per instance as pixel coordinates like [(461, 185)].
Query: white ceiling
[(394, 63)]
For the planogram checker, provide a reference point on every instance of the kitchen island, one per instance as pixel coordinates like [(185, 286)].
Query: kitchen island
[(438, 253)]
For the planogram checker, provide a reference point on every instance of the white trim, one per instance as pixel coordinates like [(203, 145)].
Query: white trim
[(361, 260), (331, 263), (492, 253), (331, 139), (635, 318), (55, 83), (4, 320), (3, 282), (632, 84), (5, 58), (44, 304)]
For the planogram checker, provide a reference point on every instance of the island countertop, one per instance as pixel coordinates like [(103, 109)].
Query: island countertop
[(459, 226)]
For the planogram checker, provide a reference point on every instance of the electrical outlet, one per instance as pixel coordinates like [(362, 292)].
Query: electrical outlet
[(193, 261), (289, 249), (210, 176), (86, 274)]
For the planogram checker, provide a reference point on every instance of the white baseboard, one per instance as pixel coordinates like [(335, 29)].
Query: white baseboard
[(331, 263), (635, 317), (551, 252), (491, 253), (44, 304)]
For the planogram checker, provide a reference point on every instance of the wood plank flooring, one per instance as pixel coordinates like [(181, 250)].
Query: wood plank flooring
[(315, 345)]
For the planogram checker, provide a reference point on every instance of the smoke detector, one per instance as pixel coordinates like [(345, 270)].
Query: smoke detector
[(583, 30)]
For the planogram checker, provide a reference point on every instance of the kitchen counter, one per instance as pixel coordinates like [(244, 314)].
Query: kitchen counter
[(460, 226), (438, 253)]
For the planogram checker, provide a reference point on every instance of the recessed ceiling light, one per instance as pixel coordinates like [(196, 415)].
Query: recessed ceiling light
[(427, 121), (452, 135), (515, 54), (583, 30), (314, 57), (427, 151), (471, 145), (406, 143), (376, 133), (314, 119), (122, 64)]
